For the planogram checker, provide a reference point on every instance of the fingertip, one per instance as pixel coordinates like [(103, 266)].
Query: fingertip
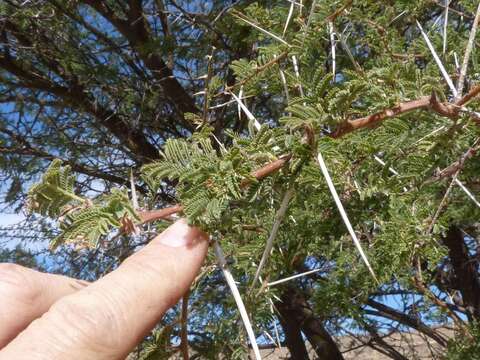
[(181, 234)]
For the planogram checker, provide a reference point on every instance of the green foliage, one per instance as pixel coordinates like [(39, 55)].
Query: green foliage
[(82, 221), (209, 182), (302, 115), (157, 346), (85, 226), (54, 192)]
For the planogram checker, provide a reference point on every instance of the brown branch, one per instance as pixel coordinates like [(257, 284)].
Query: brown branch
[(422, 289), (447, 110), (79, 168), (459, 13), (30, 77), (76, 96), (375, 337), (450, 110), (27, 148), (152, 215), (411, 321), (202, 20), (269, 169), (474, 91), (426, 102), (465, 269), (166, 29), (459, 164), (100, 37), (371, 120), (443, 202)]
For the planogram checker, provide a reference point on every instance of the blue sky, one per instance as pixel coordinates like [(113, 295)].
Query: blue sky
[(7, 219)]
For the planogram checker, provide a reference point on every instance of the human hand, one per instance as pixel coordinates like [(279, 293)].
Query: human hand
[(45, 316)]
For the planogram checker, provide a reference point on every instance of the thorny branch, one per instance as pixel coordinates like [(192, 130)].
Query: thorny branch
[(450, 110), (24, 147), (459, 164)]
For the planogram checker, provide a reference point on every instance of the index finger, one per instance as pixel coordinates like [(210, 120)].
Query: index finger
[(108, 318)]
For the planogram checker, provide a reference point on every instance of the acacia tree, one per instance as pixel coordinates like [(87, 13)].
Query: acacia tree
[(283, 129)]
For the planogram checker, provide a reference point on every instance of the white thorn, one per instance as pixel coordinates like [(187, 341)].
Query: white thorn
[(134, 191), (239, 109), (273, 234), (297, 74), (438, 61), (430, 134), (398, 16), (466, 191), (238, 299), (274, 324), (247, 112), (343, 214), (445, 24), (273, 283), (381, 162), (284, 83), (333, 45), (468, 51), (290, 13), (457, 64), (276, 37)]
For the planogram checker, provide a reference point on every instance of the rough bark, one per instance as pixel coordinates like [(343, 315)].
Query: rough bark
[(293, 334), (465, 269), (295, 309)]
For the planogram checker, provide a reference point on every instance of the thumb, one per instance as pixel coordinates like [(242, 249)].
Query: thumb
[(107, 319)]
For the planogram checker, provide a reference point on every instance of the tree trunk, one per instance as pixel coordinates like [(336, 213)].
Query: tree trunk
[(465, 268), (296, 311), (293, 334)]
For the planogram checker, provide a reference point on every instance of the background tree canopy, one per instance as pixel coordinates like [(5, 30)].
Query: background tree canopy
[(231, 112)]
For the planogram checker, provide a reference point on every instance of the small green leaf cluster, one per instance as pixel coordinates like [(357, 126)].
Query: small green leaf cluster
[(85, 226), (158, 345), (54, 192), (81, 221)]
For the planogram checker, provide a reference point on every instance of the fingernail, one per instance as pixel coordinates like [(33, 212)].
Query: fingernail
[(181, 234)]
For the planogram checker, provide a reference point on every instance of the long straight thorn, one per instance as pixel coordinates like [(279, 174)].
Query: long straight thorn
[(343, 214)]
